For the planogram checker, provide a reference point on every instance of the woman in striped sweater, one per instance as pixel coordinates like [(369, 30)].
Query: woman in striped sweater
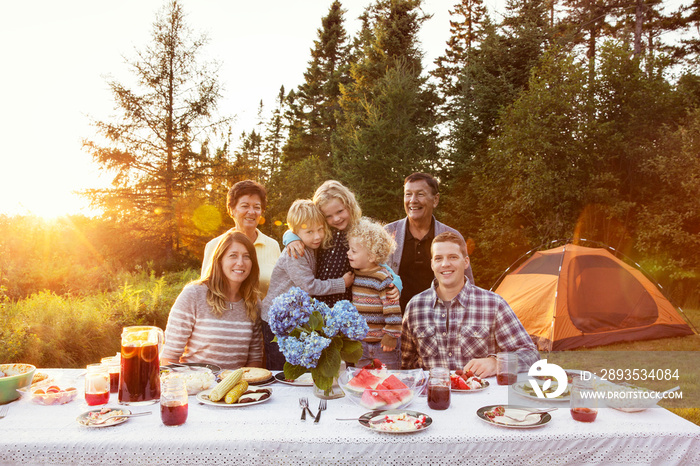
[(216, 319)]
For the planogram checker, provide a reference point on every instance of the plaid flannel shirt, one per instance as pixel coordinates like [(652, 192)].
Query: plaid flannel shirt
[(480, 323)]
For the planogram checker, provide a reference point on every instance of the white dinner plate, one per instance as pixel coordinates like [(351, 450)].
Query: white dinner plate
[(515, 411), (484, 386), (82, 419), (524, 389), (374, 420), (203, 397), (303, 381)]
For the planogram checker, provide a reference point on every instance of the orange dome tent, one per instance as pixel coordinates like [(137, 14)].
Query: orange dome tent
[(573, 296)]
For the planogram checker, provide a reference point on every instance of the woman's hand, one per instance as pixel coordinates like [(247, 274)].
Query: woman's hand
[(393, 293), (348, 278), (387, 349), (295, 249)]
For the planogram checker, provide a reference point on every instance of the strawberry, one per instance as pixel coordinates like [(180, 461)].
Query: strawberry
[(375, 364), (467, 374)]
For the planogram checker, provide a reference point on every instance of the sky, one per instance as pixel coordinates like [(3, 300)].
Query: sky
[(56, 57)]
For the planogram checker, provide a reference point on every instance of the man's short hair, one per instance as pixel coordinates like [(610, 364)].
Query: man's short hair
[(429, 179), (449, 237)]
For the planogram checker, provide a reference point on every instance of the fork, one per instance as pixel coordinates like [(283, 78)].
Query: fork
[(3, 411), (303, 404), (539, 411), (321, 408)]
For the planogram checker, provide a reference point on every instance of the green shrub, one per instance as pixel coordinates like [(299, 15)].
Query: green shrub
[(49, 330)]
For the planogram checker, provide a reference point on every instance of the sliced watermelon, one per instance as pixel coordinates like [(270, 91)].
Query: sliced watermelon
[(388, 395), (400, 389), (371, 399), (393, 383), (364, 379)]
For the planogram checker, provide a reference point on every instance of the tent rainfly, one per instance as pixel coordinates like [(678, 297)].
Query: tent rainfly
[(573, 296)]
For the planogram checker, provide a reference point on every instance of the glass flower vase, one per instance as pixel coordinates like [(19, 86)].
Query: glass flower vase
[(335, 391)]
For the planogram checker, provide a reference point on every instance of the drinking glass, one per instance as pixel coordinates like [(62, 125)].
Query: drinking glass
[(584, 405), (506, 368), (173, 401), (113, 367), (96, 385), (439, 388)]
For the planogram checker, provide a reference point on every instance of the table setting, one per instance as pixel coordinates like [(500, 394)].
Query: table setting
[(273, 431)]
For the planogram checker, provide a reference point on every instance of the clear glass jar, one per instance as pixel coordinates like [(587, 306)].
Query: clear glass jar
[(335, 391), (506, 368), (584, 404), (113, 364), (173, 401), (439, 388), (96, 385)]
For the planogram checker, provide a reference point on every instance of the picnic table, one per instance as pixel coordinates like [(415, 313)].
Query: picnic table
[(272, 433)]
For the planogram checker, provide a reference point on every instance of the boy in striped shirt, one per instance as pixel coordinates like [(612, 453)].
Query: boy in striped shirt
[(370, 245)]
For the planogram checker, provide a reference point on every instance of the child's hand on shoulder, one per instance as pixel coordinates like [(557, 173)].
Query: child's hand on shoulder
[(348, 278), (295, 249), (392, 293)]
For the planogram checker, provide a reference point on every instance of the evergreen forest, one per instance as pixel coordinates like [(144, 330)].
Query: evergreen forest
[(561, 119)]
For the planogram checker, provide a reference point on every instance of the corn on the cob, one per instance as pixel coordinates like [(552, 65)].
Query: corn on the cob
[(223, 387), (235, 393)]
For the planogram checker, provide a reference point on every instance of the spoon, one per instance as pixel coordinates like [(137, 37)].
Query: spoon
[(102, 421), (539, 411)]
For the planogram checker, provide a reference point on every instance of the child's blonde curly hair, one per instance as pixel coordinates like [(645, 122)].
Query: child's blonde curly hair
[(372, 235)]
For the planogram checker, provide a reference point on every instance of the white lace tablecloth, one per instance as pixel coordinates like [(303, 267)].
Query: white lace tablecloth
[(271, 433)]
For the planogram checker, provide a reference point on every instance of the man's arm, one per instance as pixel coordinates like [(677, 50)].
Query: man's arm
[(511, 336), (409, 353)]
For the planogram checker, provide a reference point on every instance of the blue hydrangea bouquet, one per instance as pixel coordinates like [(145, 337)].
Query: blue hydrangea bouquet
[(313, 336)]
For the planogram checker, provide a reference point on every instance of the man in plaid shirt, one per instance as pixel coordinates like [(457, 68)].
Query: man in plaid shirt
[(457, 325)]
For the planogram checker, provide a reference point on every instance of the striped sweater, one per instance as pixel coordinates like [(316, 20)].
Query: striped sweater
[(194, 334), (382, 314)]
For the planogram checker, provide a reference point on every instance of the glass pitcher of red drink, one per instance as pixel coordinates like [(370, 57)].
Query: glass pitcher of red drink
[(139, 381)]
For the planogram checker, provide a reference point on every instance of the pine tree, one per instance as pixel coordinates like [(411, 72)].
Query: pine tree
[(388, 111), (466, 32), (315, 103), (149, 147)]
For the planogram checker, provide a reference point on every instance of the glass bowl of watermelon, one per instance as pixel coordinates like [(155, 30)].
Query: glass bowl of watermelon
[(381, 388)]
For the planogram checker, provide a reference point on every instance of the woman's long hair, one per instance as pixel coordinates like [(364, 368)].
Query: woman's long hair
[(216, 281)]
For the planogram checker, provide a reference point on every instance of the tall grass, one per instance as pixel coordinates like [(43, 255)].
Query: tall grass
[(48, 330)]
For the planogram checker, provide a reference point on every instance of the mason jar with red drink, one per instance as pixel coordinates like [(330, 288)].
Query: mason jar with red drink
[(96, 385), (439, 388), (506, 368), (173, 401), (584, 404)]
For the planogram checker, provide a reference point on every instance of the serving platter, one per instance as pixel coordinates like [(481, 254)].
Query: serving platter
[(375, 420), (515, 411), (203, 397)]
